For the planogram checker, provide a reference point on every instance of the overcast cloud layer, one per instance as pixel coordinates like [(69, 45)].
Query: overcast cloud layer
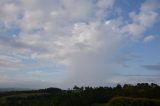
[(78, 38)]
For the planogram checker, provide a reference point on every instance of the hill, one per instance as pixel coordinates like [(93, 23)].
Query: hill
[(13, 89)]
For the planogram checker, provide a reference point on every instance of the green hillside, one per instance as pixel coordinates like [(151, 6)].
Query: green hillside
[(125, 101)]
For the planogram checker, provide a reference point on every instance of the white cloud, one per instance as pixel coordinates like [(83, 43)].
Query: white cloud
[(149, 38), (9, 12), (143, 20), (57, 31)]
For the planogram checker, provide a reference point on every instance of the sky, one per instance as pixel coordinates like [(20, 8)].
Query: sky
[(62, 43)]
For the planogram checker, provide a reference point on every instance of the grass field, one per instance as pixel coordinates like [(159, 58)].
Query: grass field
[(125, 101)]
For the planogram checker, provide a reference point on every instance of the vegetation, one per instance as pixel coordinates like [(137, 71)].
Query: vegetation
[(126, 101), (142, 94)]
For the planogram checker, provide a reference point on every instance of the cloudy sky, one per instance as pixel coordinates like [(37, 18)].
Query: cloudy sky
[(62, 43)]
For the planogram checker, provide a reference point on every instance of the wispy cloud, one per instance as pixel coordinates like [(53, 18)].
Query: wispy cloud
[(155, 67), (149, 38)]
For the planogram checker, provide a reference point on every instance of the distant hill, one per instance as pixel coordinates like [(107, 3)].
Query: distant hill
[(13, 89)]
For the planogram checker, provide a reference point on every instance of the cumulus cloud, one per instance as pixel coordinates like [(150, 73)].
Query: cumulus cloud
[(76, 34), (144, 19)]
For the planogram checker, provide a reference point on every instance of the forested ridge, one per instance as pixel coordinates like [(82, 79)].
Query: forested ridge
[(133, 95)]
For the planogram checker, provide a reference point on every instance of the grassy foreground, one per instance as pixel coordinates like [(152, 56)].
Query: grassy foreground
[(125, 101)]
